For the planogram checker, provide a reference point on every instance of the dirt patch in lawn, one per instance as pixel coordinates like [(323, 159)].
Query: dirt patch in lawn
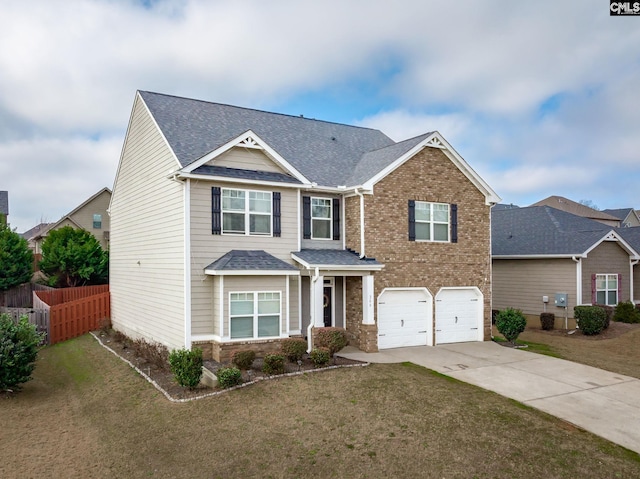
[(616, 349), (86, 414), (161, 375)]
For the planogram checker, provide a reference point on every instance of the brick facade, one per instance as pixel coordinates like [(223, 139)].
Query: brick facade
[(429, 176)]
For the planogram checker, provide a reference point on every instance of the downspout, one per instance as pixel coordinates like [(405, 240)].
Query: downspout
[(578, 262), (362, 255), (312, 320)]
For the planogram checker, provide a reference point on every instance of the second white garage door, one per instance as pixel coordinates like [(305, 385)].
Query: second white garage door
[(404, 318), (459, 315)]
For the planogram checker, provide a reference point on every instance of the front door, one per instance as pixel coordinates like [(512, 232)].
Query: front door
[(327, 307)]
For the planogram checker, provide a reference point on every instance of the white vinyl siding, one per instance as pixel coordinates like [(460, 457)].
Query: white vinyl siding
[(147, 238), (246, 159)]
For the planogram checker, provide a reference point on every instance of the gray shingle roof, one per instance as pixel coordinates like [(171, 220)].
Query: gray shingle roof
[(245, 174), (542, 230), (334, 257), (620, 213), (324, 152), (632, 236), (4, 202), (250, 260)]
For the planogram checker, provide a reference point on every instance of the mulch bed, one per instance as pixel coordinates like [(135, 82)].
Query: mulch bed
[(614, 330), (163, 377)]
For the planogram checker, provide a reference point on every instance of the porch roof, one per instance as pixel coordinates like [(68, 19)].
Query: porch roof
[(335, 259), (250, 263)]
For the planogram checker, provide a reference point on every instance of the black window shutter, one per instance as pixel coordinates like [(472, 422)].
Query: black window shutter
[(412, 220), (336, 219), (454, 223), (276, 214), (215, 211), (306, 217)]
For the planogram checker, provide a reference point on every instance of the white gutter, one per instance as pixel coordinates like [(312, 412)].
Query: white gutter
[(362, 255), (578, 279), (312, 319)]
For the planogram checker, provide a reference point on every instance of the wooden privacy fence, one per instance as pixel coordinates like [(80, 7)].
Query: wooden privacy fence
[(58, 296), (21, 296), (39, 317)]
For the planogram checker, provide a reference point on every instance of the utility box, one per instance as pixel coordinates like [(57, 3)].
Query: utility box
[(561, 300)]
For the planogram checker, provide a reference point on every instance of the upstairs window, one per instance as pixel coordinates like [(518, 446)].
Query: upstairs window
[(97, 221), (321, 218), (246, 212), (431, 221)]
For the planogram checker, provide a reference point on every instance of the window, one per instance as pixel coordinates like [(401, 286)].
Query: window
[(431, 221), (97, 222), (254, 315), (246, 212), (320, 218), (606, 289)]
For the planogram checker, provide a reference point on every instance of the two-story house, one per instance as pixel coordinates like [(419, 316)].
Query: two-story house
[(234, 228)]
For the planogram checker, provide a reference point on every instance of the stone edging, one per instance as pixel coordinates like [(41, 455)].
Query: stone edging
[(217, 393)]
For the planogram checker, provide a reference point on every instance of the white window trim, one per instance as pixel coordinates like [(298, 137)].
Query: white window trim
[(256, 315), (433, 222), (330, 219), (606, 289), (247, 213)]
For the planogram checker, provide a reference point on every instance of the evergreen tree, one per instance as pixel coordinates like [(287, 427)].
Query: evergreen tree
[(16, 259)]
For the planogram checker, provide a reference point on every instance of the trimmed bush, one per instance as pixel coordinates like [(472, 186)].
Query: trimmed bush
[(294, 348), (590, 319), (510, 323), (273, 364), (19, 344), (320, 356), (626, 312), (608, 310), (547, 321), (243, 359), (334, 339), (186, 366), (229, 377)]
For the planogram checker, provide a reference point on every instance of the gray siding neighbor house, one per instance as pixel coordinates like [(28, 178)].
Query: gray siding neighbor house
[(4, 204), (540, 251), (236, 228)]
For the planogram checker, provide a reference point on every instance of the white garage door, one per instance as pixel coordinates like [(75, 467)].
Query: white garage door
[(459, 315), (404, 318)]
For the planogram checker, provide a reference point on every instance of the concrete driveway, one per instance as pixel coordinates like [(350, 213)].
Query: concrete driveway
[(604, 403)]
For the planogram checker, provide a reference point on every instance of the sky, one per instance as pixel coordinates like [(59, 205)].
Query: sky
[(540, 98)]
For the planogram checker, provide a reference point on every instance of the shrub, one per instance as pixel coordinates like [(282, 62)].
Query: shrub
[(154, 353), (510, 323), (186, 366), (547, 321), (294, 348), (320, 356), (626, 312), (243, 359), (590, 319), (18, 351), (334, 339), (608, 310), (273, 364), (229, 377)]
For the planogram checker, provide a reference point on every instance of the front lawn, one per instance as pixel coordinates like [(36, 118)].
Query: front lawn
[(87, 414)]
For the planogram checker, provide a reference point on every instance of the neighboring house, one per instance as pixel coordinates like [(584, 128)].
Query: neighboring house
[(539, 251), (4, 206), (564, 204), (236, 228), (91, 215), (628, 216)]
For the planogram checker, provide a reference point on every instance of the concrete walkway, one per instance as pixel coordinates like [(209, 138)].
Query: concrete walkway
[(604, 403)]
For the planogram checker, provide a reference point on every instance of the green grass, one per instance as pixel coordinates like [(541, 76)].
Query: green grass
[(532, 347)]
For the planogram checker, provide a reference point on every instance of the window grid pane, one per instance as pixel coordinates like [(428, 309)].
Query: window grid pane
[(252, 217), (431, 221)]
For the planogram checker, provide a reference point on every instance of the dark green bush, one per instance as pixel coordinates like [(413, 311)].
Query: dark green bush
[(547, 321), (19, 343), (320, 356), (608, 310), (626, 312), (273, 364), (510, 323), (294, 348), (186, 366), (243, 359), (334, 339), (228, 377), (590, 319)]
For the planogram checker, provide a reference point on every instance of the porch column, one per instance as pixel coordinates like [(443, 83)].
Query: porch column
[(367, 299), (317, 304)]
